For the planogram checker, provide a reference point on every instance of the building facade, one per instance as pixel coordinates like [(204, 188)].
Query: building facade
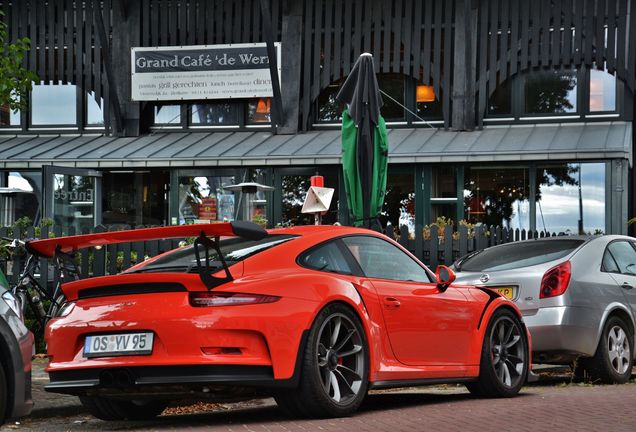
[(503, 112)]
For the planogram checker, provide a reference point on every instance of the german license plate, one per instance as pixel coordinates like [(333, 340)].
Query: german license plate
[(121, 344), (508, 292)]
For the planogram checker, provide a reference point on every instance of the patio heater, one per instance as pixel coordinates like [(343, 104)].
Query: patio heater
[(248, 199)]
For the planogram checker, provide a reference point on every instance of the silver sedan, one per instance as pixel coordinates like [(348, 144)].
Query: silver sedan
[(577, 296)]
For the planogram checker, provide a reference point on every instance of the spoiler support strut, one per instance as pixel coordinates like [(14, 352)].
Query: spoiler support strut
[(204, 269)]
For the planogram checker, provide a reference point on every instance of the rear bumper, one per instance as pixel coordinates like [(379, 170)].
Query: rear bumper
[(172, 380), (560, 334)]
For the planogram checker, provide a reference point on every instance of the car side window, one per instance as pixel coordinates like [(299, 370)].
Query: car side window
[(609, 265), (326, 257), (382, 260), (624, 255)]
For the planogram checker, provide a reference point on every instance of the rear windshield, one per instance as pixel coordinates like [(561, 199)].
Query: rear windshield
[(234, 249), (519, 254)]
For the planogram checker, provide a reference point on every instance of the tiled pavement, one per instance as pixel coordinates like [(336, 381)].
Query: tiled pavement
[(555, 405)]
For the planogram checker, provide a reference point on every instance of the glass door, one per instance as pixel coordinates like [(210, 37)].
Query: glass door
[(72, 197)]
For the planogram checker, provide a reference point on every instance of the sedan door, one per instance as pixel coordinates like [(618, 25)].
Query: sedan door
[(619, 261), (425, 325)]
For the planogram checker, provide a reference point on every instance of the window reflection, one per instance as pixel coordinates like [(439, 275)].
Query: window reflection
[(500, 102), (328, 109), (22, 198), (562, 191), (294, 191), (399, 202), (53, 104), (168, 114), (259, 110), (94, 110), (203, 199), (497, 196), (393, 85), (74, 201), (217, 113), (135, 198), (9, 117), (551, 92), (602, 91)]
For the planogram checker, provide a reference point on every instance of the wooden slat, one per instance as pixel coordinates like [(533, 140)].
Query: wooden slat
[(397, 35), (316, 52), (600, 33), (579, 9), (356, 46), (437, 45), (417, 39), (482, 58), (503, 41), (631, 64), (406, 32), (566, 50), (428, 39), (610, 53), (346, 48), (328, 33), (88, 46), (377, 35), (448, 20), (174, 23), (338, 28), (622, 36), (545, 32), (557, 34), (236, 14), (536, 33), (308, 38), (41, 43), (183, 23), (514, 35), (525, 35), (246, 26), (492, 42), (367, 21), (58, 43), (588, 42)]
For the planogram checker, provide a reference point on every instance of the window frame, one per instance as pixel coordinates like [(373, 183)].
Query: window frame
[(427, 271), (607, 250)]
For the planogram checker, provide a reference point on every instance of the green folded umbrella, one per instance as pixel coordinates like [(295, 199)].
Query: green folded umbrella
[(364, 143)]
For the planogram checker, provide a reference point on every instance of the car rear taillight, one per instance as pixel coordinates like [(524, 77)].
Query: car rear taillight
[(555, 281), (209, 298)]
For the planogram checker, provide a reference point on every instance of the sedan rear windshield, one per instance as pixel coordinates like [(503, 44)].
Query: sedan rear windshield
[(234, 249), (518, 254)]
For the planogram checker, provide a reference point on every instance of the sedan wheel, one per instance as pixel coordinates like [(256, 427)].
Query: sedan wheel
[(504, 357), (612, 363), (334, 378)]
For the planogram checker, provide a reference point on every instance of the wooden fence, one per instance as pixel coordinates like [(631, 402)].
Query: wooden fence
[(430, 245)]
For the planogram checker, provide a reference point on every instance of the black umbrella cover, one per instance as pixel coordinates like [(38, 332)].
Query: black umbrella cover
[(360, 91)]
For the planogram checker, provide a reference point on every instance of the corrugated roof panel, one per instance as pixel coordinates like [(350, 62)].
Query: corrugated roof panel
[(87, 146), (269, 145), (222, 146), (114, 145), (489, 139), (25, 145), (317, 145), (46, 146), (568, 138), (61, 149), (594, 137), (128, 151), (242, 148), (515, 139), (293, 145), (183, 143), (540, 138), (618, 136), (154, 143), (437, 142), (408, 140), (462, 143), (206, 141)]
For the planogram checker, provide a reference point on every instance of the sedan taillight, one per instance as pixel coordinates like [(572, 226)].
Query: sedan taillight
[(206, 299), (555, 281)]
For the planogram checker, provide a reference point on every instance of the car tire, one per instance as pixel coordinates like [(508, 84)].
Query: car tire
[(114, 409), (504, 360), (612, 362), (4, 391), (335, 368)]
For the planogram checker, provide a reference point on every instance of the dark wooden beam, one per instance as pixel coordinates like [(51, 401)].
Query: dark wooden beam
[(110, 75), (277, 103)]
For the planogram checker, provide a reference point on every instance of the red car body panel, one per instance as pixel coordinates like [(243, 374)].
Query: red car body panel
[(449, 326)]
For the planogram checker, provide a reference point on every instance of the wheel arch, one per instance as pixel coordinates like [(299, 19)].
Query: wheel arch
[(10, 363), (620, 311)]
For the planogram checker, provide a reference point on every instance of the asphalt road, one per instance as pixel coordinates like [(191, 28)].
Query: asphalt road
[(551, 405)]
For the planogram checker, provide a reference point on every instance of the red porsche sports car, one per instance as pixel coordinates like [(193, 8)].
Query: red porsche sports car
[(313, 315)]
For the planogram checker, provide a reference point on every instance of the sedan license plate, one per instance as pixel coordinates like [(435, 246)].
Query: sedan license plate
[(508, 292), (121, 344)]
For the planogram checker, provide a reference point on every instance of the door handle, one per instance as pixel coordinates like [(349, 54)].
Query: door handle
[(391, 303), (626, 286)]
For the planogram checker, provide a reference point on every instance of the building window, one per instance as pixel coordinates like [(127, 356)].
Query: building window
[(168, 114), (135, 198), (399, 202), (500, 102), (54, 105), (602, 91), (23, 197), (571, 198), (94, 111), (397, 91), (259, 111), (497, 196), (214, 114), (203, 199), (551, 92)]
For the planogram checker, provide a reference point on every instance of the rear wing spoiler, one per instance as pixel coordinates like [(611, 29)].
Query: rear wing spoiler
[(49, 247)]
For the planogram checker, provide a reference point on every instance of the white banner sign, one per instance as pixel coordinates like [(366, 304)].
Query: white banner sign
[(202, 72)]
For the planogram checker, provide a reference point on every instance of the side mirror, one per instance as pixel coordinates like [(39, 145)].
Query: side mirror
[(445, 276)]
